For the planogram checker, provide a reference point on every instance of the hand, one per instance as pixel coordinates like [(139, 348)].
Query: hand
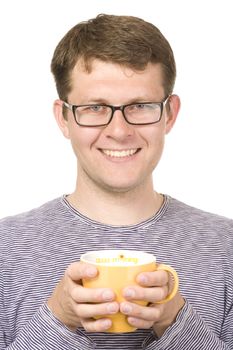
[(153, 288), (77, 306)]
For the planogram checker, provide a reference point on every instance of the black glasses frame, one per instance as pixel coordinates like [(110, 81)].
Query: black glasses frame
[(116, 108)]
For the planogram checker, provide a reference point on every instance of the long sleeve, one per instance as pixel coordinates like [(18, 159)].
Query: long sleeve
[(45, 332), (190, 332), (37, 246)]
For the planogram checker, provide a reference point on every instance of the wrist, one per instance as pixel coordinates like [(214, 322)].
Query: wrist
[(59, 315), (161, 326)]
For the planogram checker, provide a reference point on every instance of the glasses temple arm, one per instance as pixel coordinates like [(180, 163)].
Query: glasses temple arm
[(67, 105)]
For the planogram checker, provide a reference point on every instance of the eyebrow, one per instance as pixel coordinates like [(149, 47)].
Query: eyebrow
[(132, 100)]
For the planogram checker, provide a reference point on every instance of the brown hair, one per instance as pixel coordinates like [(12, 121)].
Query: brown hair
[(125, 40)]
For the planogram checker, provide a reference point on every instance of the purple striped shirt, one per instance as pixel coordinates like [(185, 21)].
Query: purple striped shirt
[(37, 246)]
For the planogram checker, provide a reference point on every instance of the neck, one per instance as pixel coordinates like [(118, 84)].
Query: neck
[(116, 208)]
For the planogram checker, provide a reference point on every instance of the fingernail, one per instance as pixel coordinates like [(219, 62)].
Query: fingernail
[(107, 295), (133, 321), (143, 279), (126, 308), (91, 272), (106, 324), (112, 308), (129, 293)]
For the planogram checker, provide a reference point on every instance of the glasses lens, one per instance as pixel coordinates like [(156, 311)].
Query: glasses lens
[(143, 113), (93, 115)]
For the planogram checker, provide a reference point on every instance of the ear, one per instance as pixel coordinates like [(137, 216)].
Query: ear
[(60, 119), (172, 112)]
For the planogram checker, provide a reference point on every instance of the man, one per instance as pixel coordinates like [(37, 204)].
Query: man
[(115, 77)]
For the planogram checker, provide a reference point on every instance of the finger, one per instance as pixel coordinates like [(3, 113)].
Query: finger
[(80, 294), (139, 323), (141, 316), (153, 279), (77, 271), (89, 311), (151, 295), (147, 313), (100, 325)]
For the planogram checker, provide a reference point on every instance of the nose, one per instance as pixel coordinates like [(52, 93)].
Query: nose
[(118, 128)]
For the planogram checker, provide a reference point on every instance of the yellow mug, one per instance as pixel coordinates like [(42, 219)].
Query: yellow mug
[(118, 269)]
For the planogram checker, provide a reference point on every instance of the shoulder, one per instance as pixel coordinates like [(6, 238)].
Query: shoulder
[(44, 210), (17, 227), (200, 217), (200, 234), (199, 223)]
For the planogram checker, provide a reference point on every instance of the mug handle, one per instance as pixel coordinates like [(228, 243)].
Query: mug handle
[(175, 282)]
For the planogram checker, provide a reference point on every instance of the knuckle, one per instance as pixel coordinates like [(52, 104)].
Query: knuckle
[(96, 295), (138, 312), (70, 270), (158, 311), (87, 326), (162, 293), (74, 295), (140, 293), (78, 310), (162, 277), (78, 294)]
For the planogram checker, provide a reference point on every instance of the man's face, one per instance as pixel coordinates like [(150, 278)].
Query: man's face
[(118, 157)]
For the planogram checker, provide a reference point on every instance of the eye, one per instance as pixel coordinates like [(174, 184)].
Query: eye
[(96, 108), (92, 109), (138, 106), (147, 106)]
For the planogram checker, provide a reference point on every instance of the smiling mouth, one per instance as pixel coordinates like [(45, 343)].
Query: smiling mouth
[(120, 154)]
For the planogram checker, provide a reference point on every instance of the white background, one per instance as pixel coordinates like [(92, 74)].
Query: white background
[(37, 163)]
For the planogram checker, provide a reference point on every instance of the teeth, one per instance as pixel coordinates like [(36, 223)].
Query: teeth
[(119, 154)]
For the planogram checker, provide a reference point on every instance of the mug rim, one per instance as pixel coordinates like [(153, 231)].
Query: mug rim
[(147, 258)]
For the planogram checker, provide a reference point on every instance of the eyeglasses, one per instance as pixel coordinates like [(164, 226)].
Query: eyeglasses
[(94, 115)]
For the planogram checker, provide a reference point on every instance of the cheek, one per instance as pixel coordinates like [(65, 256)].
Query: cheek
[(82, 139), (155, 136), (156, 145)]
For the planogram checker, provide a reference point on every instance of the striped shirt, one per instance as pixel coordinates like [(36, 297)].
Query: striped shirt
[(37, 246)]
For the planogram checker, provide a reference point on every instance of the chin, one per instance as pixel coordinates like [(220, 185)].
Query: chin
[(119, 187)]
